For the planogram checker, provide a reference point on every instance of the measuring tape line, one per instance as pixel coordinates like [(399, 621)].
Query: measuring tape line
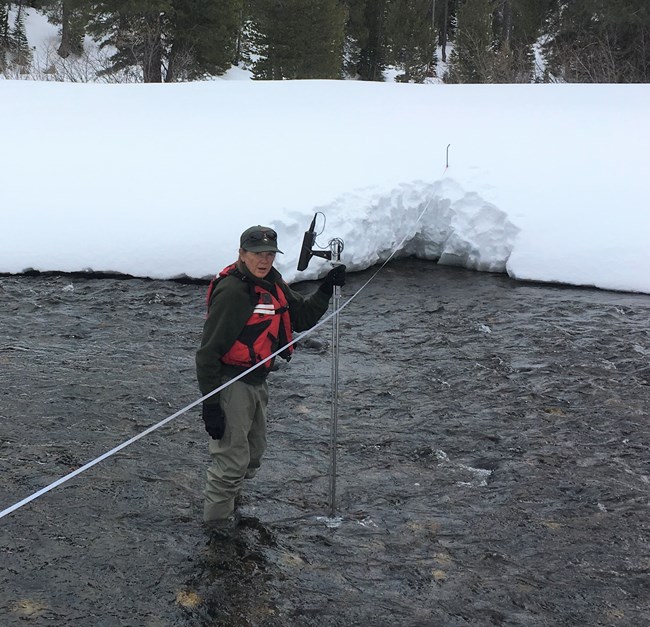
[(97, 460)]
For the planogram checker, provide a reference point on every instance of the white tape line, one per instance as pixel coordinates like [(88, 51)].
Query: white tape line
[(108, 454)]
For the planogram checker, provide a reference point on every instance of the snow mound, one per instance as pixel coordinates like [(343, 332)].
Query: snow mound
[(437, 221)]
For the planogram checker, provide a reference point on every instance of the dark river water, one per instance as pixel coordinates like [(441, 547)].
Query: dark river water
[(493, 461)]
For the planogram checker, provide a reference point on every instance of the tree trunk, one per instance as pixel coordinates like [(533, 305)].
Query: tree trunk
[(370, 67), (443, 33), (71, 41), (152, 50), (506, 30)]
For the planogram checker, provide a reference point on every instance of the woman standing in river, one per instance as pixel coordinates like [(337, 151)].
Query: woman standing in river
[(251, 314)]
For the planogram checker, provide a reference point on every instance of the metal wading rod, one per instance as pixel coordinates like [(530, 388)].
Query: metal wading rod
[(335, 247)]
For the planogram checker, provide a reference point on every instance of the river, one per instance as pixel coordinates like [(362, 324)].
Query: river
[(493, 459)]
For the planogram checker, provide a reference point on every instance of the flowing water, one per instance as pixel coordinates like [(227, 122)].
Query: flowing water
[(493, 461)]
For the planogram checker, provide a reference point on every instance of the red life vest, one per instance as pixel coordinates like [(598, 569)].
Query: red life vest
[(267, 329)]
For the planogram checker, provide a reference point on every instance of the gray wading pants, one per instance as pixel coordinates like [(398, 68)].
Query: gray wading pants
[(238, 455)]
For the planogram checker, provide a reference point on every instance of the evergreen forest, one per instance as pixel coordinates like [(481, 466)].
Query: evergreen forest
[(415, 41)]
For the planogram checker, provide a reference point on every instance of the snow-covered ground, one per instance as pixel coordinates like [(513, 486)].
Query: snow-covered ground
[(545, 182)]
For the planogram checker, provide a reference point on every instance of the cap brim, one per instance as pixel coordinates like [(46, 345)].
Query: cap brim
[(262, 248)]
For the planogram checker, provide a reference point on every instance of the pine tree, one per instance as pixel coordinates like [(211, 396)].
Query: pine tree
[(356, 36), (446, 24), (372, 55), (71, 16), (134, 29), (249, 39), (5, 35), (520, 22), (22, 55), (300, 39), (402, 32), (516, 27), (5, 42), (471, 59), (411, 38), (203, 37), (170, 39), (73, 25), (600, 41)]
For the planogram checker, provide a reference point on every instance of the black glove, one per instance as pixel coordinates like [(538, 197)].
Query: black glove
[(215, 420), (336, 276)]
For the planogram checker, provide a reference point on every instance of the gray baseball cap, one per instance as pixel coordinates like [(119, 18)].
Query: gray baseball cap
[(259, 239)]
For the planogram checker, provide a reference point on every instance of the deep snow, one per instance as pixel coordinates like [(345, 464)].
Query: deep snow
[(545, 182)]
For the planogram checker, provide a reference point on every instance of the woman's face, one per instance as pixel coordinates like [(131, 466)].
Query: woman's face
[(258, 264)]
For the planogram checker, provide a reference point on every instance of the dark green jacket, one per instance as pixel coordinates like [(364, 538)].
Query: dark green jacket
[(231, 305)]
